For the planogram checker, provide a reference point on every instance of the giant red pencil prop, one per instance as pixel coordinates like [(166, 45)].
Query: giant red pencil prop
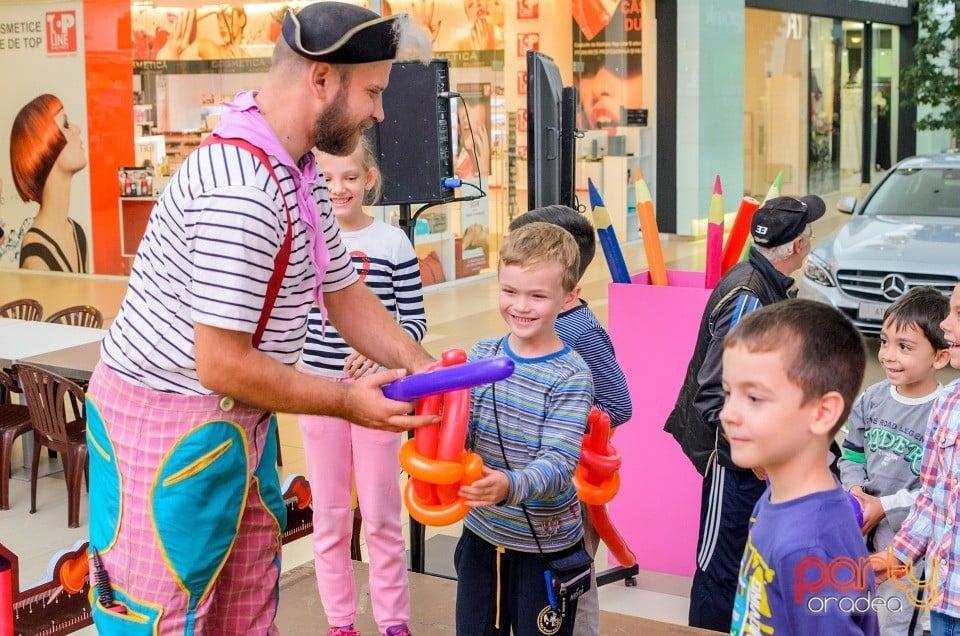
[(650, 232), (608, 237), (738, 235), (715, 235)]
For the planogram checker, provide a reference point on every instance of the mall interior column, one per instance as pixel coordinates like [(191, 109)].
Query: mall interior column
[(710, 50)]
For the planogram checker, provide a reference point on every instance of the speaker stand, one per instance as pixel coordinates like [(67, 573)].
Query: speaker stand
[(408, 222)]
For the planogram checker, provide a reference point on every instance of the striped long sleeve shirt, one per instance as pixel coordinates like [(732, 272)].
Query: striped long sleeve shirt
[(580, 330), (930, 530), (542, 410), (386, 263), (206, 257)]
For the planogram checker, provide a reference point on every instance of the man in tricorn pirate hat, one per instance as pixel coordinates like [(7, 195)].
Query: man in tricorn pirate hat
[(186, 511)]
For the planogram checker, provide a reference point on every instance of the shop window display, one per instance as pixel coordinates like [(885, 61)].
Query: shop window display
[(186, 54)]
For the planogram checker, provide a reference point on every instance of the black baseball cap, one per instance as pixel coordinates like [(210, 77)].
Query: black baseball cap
[(340, 33), (781, 220)]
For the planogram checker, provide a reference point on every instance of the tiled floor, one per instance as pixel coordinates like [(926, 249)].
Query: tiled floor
[(459, 315)]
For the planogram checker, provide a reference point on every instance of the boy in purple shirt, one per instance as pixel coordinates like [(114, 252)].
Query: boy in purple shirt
[(790, 374)]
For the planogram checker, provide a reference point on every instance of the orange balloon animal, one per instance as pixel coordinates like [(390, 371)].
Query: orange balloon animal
[(597, 480), (436, 459)]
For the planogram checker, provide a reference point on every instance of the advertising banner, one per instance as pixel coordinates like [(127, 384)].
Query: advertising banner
[(607, 60), (45, 186), (469, 34)]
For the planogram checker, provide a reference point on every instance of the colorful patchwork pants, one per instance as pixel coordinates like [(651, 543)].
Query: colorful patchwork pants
[(185, 511)]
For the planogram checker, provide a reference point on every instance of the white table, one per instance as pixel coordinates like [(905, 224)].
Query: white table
[(22, 339)]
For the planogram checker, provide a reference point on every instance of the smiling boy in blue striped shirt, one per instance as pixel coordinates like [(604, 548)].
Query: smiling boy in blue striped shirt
[(579, 328), (528, 431)]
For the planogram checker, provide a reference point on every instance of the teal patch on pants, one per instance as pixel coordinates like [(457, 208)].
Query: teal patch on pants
[(198, 498), (106, 487)]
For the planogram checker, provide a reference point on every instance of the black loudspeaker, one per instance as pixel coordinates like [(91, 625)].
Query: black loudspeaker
[(413, 143)]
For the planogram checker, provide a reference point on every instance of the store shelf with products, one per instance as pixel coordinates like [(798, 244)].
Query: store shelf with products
[(179, 144), (611, 162), (142, 119)]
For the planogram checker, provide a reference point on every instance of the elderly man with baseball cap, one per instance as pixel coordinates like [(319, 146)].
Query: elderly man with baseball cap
[(781, 240), (186, 511)]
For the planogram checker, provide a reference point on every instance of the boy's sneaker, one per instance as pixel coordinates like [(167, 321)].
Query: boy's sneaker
[(343, 631), (399, 630)]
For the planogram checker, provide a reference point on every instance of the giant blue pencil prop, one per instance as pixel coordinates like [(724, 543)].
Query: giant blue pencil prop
[(608, 238), (446, 379)]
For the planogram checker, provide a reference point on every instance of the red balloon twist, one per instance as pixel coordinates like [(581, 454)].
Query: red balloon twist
[(597, 480), (436, 459)]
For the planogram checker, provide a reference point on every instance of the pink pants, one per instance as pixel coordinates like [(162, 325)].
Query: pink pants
[(185, 511), (334, 447)]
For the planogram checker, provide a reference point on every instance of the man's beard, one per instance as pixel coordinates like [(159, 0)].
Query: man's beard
[(335, 133)]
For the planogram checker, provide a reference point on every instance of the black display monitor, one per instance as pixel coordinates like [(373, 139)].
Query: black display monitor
[(551, 134), (544, 117)]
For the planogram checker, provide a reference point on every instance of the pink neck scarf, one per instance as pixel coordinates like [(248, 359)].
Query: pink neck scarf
[(241, 118)]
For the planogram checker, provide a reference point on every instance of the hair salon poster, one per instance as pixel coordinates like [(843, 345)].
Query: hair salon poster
[(607, 60), (469, 33), (45, 186)]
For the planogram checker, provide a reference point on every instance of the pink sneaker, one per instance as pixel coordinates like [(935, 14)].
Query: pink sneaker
[(343, 631), (399, 630)]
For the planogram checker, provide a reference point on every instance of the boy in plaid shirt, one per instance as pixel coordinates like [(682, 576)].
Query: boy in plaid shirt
[(929, 530)]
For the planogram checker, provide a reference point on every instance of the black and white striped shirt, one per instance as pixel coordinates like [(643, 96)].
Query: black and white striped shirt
[(386, 262), (206, 257)]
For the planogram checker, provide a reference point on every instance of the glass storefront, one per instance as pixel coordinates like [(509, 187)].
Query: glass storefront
[(819, 148), (190, 55), (885, 92), (775, 82)]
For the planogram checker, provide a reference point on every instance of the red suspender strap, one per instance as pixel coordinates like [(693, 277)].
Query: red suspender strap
[(283, 256)]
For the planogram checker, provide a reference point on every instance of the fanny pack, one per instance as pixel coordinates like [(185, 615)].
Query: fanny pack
[(567, 577)]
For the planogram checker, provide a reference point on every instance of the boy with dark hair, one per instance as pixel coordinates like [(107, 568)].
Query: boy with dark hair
[(883, 448), (579, 329), (790, 373), (528, 430), (930, 528)]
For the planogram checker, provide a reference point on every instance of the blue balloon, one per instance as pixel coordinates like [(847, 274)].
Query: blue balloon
[(445, 379), (857, 508)]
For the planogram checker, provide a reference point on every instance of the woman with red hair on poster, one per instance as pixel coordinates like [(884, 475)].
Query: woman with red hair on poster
[(45, 152)]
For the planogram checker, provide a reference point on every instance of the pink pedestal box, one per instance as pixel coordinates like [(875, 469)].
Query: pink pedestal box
[(654, 330)]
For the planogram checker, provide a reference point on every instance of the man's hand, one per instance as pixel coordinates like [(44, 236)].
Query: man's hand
[(492, 488), (365, 405)]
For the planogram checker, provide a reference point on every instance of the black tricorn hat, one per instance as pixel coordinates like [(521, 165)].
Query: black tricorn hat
[(340, 33)]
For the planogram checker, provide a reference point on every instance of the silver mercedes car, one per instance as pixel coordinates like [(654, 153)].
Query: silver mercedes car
[(905, 233)]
